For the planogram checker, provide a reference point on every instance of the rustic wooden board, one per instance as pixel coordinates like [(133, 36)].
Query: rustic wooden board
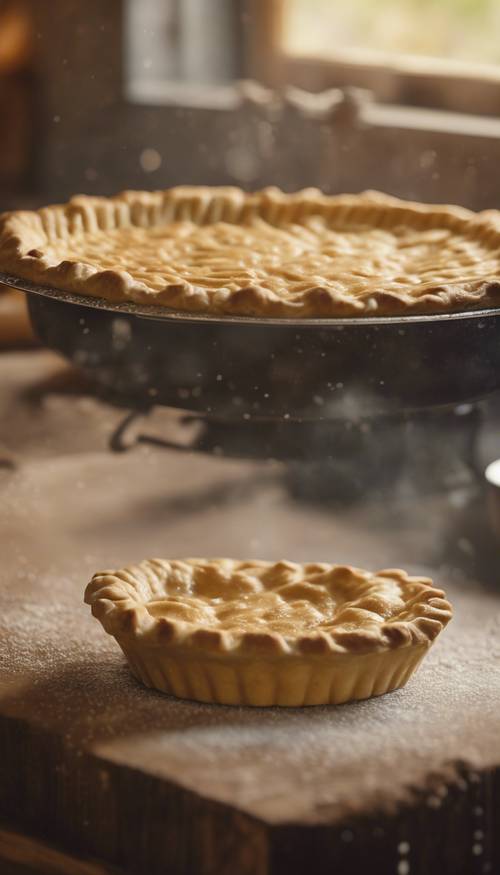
[(104, 769)]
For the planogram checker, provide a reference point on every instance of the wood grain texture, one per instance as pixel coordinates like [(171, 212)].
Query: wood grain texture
[(22, 854), (104, 769)]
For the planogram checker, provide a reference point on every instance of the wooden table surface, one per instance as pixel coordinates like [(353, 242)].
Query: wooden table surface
[(97, 771)]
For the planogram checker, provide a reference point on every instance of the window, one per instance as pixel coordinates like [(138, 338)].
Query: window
[(435, 53), (181, 48), (180, 41), (463, 30)]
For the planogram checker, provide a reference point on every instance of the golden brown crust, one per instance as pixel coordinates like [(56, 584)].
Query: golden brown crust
[(220, 250), (231, 615)]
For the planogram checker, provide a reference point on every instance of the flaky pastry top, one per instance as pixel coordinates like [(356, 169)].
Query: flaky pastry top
[(252, 606), (220, 250)]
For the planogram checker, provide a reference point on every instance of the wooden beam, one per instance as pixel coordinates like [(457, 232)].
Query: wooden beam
[(23, 854)]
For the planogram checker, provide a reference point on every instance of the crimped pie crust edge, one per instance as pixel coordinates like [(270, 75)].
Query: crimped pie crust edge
[(116, 601), (23, 234), (266, 668)]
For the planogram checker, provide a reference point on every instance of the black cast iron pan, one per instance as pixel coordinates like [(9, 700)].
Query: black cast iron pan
[(241, 367)]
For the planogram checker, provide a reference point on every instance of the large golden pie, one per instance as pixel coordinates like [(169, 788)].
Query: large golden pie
[(262, 633), (220, 250)]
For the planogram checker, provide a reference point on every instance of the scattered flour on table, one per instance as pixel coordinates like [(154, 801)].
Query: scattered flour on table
[(65, 672)]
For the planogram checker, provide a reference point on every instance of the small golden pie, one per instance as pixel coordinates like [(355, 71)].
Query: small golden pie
[(222, 251), (263, 633)]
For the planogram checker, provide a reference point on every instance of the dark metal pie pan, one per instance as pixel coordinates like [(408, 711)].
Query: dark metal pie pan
[(241, 367)]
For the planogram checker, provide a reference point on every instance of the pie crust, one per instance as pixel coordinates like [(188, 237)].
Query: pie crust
[(222, 251), (262, 633)]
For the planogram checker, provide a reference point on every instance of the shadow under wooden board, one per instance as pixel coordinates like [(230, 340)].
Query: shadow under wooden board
[(95, 767)]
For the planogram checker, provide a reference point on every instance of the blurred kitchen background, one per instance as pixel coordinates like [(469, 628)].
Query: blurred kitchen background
[(98, 95)]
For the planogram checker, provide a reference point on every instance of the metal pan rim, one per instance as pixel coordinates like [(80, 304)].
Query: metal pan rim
[(163, 314)]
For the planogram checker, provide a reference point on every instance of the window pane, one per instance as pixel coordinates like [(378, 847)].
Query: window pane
[(181, 41), (465, 30)]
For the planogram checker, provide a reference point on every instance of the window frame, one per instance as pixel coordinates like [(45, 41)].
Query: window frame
[(408, 80)]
